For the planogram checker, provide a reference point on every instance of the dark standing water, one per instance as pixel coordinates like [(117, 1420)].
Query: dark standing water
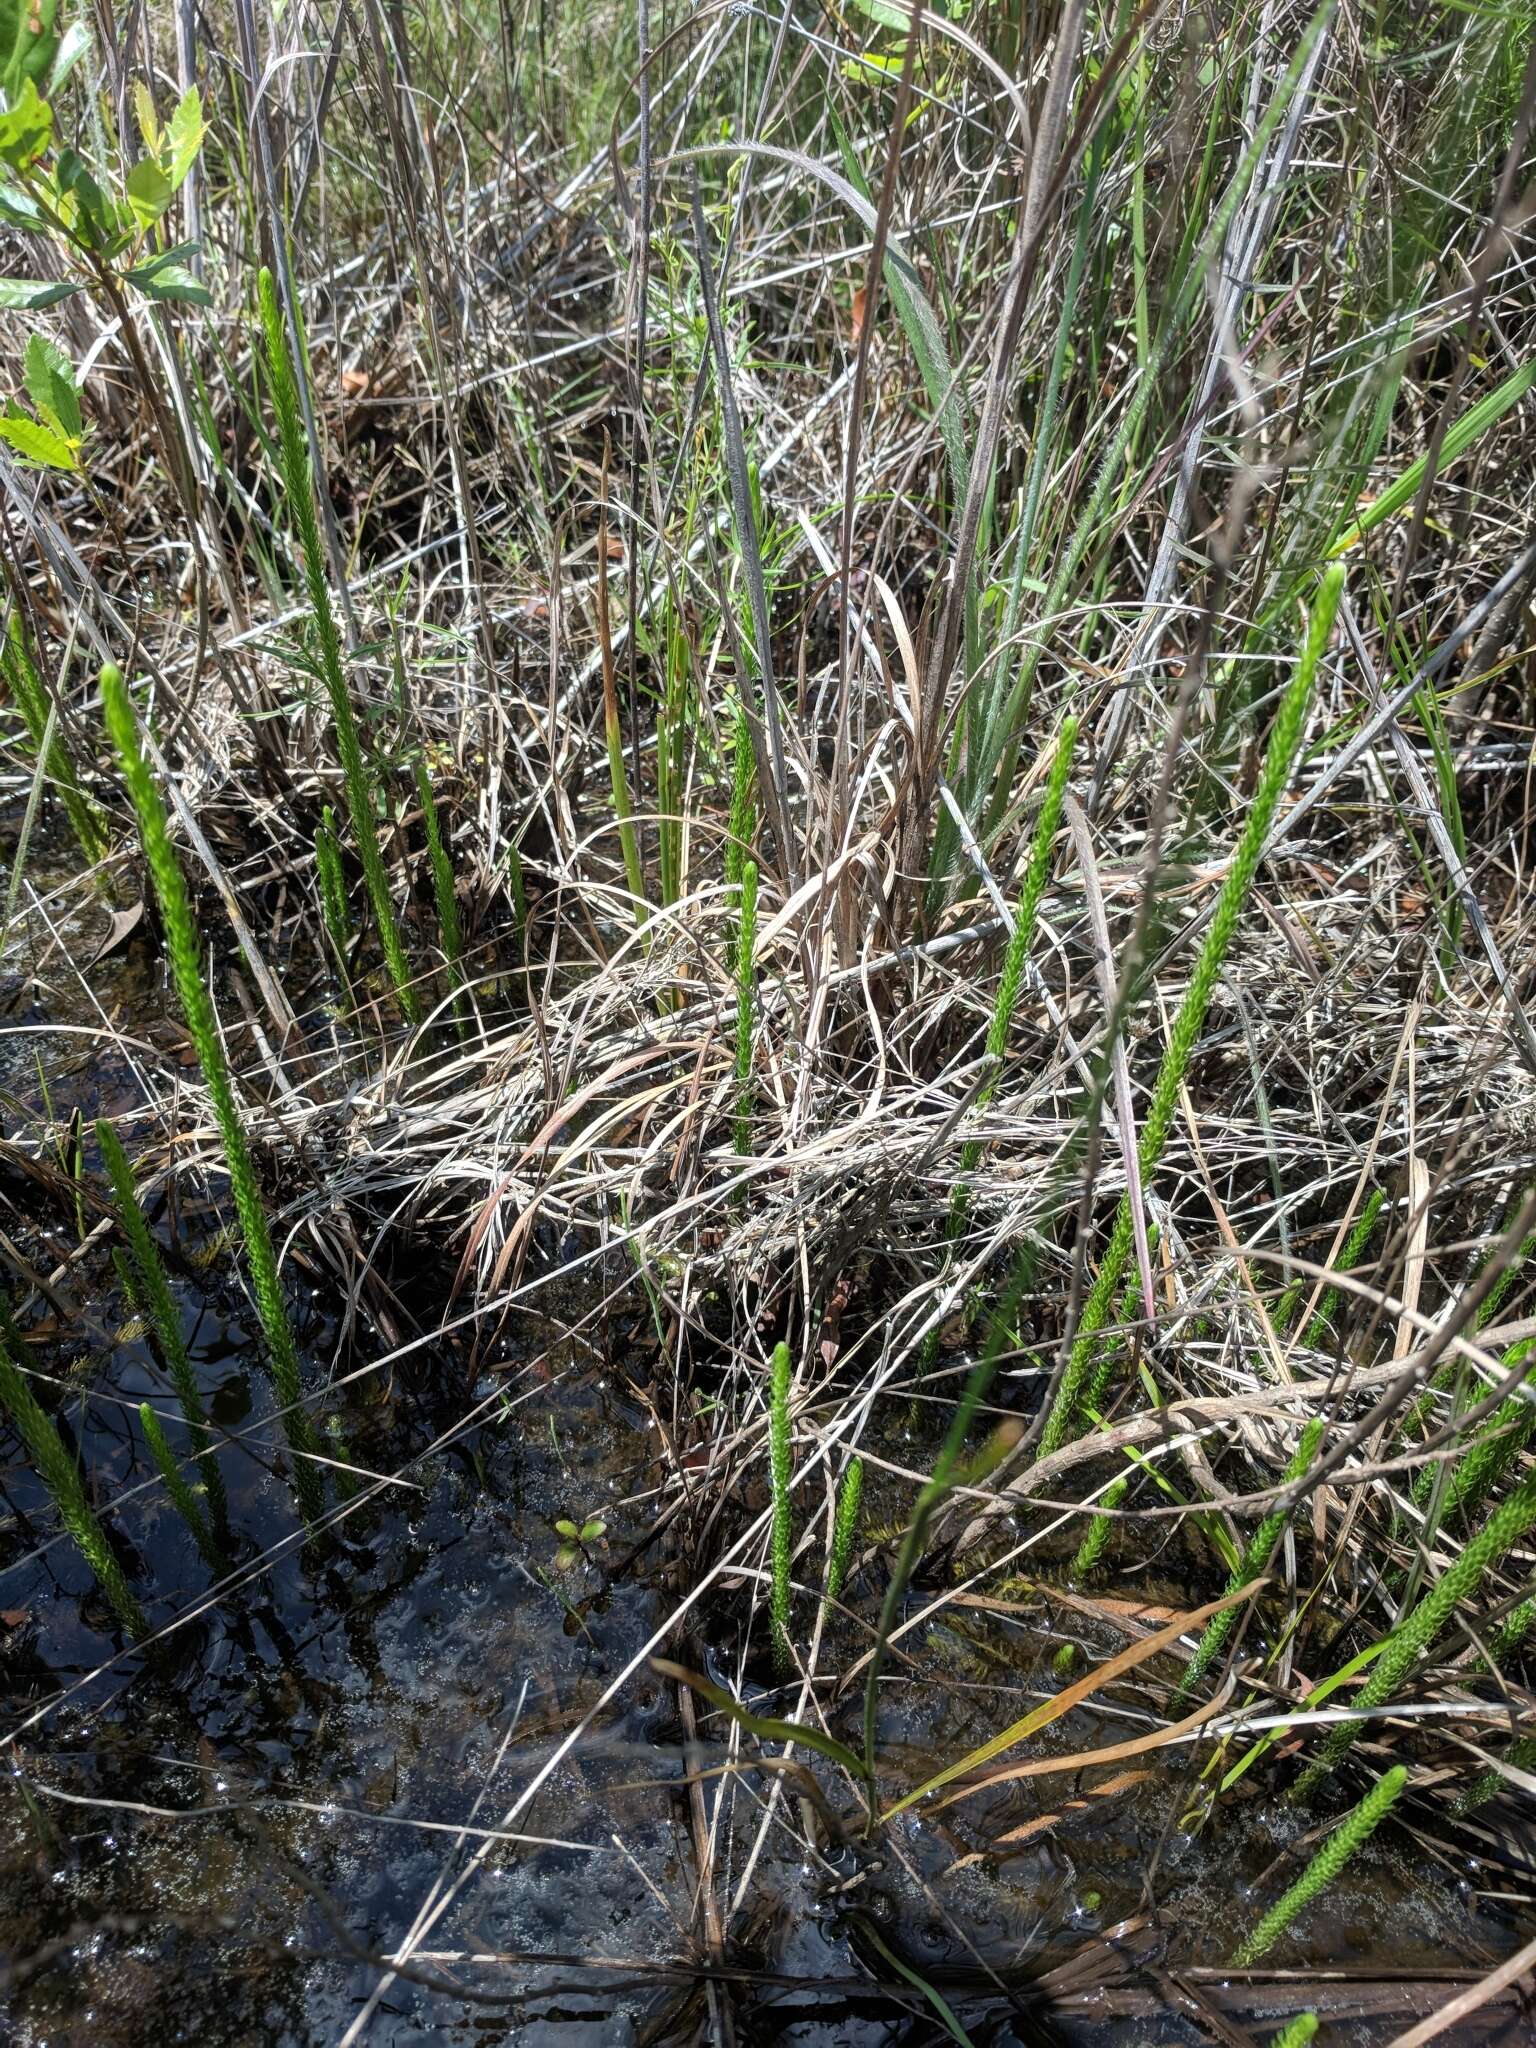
[(217, 1843)]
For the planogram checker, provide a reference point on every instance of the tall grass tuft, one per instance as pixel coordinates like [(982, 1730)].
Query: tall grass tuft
[(1326, 1866), (781, 1542), (57, 1470), (159, 1309), (1254, 1561), (1063, 1420), (299, 492), (181, 941)]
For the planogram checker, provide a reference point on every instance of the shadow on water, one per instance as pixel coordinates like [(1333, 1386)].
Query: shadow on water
[(216, 1842)]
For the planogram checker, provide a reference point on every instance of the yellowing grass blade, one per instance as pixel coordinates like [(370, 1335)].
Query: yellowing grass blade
[(1073, 1695)]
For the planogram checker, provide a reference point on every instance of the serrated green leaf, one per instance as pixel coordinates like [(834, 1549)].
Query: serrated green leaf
[(28, 294), (173, 283), (149, 191), (26, 128), (184, 137), (35, 443), (50, 380)]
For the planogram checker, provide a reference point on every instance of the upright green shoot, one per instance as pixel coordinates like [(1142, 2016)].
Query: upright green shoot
[(333, 887), (298, 489), (57, 1470), (180, 1494), (781, 1543), (746, 991), (202, 1025), (26, 687), (845, 1526), (1275, 774), (159, 1308), (1326, 1866)]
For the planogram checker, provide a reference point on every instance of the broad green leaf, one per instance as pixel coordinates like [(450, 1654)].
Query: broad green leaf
[(94, 216), (878, 12), (149, 191), (19, 210), (590, 1531), (26, 129), (50, 380), (764, 1728), (184, 137), (35, 443), (172, 283), (28, 294), (566, 1527), (28, 45)]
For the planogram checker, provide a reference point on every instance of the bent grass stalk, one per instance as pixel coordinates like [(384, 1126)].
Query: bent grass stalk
[(780, 1542), (181, 942), (746, 944), (158, 1306), (180, 1493), (1278, 757), (57, 1470), (1326, 1866), (1451, 1591), (299, 491), (1255, 1560)]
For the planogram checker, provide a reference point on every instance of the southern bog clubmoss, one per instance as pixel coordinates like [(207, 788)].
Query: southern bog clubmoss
[(299, 495), (1325, 1867), (59, 1473), (781, 1477), (153, 1295), (746, 1005), (177, 1490), (845, 1526), (1063, 1420), (202, 1025)]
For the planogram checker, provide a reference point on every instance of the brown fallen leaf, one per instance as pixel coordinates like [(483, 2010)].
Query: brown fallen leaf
[(124, 924)]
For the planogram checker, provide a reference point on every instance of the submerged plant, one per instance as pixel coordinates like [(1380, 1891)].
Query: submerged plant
[(1325, 1867), (58, 1472), (299, 492), (781, 1540), (202, 1026), (1062, 1421)]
